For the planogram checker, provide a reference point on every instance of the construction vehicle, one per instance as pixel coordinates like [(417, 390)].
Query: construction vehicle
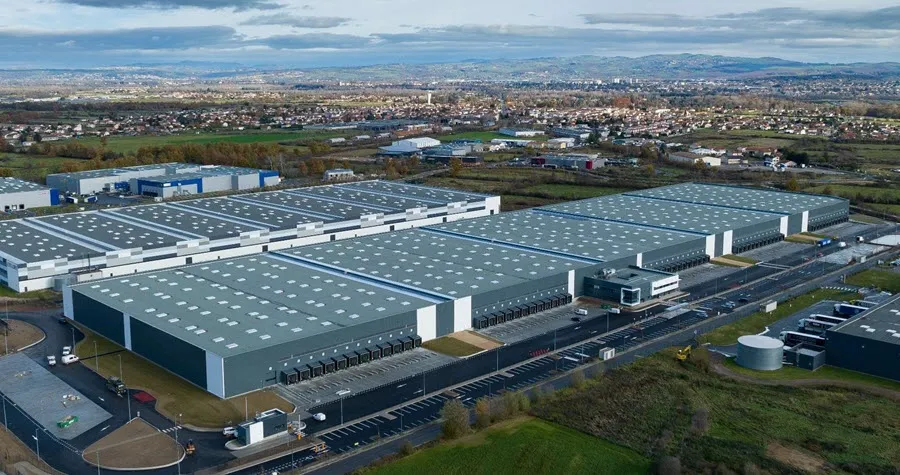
[(190, 448), (683, 353), (116, 385), (66, 421)]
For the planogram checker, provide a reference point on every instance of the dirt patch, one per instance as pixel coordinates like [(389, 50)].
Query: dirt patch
[(476, 339), (795, 458), (729, 262), (804, 238), (135, 445), (20, 334), (13, 451)]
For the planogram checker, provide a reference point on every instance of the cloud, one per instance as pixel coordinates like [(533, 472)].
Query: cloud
[(118, 40), (238, 5), (298, 21), (314, 41)]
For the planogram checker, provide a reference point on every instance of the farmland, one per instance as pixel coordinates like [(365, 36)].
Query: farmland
[(522, 445), (126, 144), (716, 424)]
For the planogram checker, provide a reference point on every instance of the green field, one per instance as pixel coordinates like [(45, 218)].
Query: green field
[(521, 446), (124, 144), (657, 405), (882, 279), (854, 191), (571, 192), (824, 372), (744, 259), (30, 167), (451, 346), (757, 322)]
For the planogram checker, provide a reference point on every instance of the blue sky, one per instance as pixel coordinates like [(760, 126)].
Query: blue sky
[(302, 33)]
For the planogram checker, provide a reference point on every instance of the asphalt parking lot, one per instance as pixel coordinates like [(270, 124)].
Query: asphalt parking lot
[(359, 378), (542, 322)]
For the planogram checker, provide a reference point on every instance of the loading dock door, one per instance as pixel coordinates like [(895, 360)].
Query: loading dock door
[(303, 373), (375, 353), (408, 343), (397, 347), (363, 356), (492, 320), (329, 367), (352, 360), (316, 370), (510, 314), (339, 363), (386, 350), (418, 341)]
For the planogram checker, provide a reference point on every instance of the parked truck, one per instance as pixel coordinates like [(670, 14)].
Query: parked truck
[(116, 385)]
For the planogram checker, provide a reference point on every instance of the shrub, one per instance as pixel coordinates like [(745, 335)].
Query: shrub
[(407, 449), (668, 466), (482, 413), (700, 420), (577, 379), (456, 419)]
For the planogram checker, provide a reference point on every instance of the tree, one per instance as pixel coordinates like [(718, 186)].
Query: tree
[(668, 466), (302, 169), (38, 137), (793, 184), (482, 413), (456, 166), (6, 172), (456, 419), (4, 145)]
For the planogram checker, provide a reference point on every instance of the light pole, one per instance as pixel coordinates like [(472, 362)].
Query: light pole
[(98, 462), (342, 410), (96, 357), (5, 423), (177, 445), (37, 444), (127, 394)]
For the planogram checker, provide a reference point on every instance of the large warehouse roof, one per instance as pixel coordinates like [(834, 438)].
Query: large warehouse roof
[(249, 212), (15, 185), (772, 201), (436, 195), (569, 235), (880, 323), (181, 220), (98, 227), (315, 206), (686, 217), (239, 305), (447, 266), (27, 244)]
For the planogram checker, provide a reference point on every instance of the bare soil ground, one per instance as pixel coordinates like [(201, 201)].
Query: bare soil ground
[(796, 458), (135, 445), (21, 334), (472, 338), (729, 262)]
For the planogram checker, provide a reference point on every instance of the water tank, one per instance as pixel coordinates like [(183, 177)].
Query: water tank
[(761, 353)]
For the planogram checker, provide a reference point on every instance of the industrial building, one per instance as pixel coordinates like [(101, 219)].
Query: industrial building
[(869, 342), (17, 195), (47, 252), (234, 325), (163, 180), (571, 160)]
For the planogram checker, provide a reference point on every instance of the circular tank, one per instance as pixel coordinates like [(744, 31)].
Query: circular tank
[(761, 353)]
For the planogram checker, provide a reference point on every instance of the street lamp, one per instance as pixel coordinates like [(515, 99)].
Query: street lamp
[(37, 444), (177, 445)]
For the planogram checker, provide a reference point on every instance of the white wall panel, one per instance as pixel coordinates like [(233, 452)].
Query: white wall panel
[(462, 314), (215, 374), (727, 242), (426, 322)]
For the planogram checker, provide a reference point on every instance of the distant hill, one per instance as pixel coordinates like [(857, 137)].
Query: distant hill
[(681, 66)]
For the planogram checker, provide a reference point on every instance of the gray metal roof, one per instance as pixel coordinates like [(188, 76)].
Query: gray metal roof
[(315, 206), (233, 306), (112, 172), (443, 265), (182, 220), (95, 226), (249, 211), (772, 201), (666, 214), (573, 236), (880, 323), (15, 185), (27, 244), (388, 203), (441, 195)]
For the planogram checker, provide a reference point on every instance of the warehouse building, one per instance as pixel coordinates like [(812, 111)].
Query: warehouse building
[(164, 180), (17, 195), (47, 252), (868, 343), (296, 313)]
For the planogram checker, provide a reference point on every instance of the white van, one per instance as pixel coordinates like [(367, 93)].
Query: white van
[(581, 311), (69, 359), (319, 416), (66, 350), (51, 360)]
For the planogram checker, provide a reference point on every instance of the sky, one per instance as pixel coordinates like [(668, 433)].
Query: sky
[(305, 34)]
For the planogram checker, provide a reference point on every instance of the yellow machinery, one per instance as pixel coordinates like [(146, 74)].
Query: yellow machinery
[(683, 353), (190, 448), (319, 448)]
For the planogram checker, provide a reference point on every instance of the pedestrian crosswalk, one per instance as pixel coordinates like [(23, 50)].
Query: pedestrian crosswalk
[(171, 429)]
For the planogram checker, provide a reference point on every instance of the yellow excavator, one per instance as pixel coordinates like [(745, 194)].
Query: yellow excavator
[(683, 354)]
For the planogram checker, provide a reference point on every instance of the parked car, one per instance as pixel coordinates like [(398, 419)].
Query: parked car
[(62, 319), (229, 432), (581, 311), (51, 360), (576, 319), (69, 359), (319, 416), (67, 350)]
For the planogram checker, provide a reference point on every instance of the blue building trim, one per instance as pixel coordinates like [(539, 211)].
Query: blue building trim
[(263, 174), (54, 197), (165, 184)]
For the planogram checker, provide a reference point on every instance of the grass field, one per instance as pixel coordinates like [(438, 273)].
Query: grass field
[(124, 144), (521, 446), (715, 424), (173, 394), (757, 322), (824, 372), (572, 192), (32, 167), (881, 279), (852, 191), (451, 346)]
